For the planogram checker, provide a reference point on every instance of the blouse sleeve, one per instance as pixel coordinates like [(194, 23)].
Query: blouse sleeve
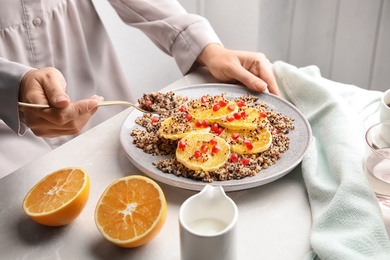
[(10, 74), (170, 27)]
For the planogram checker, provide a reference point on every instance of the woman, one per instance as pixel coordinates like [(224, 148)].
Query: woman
[(58, 53)]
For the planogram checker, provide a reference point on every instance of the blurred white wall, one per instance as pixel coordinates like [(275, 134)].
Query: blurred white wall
[(347, 39), (146, 67)]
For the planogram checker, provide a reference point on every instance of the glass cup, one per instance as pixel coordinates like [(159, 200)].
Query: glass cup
[(384, 112), (377, 161)]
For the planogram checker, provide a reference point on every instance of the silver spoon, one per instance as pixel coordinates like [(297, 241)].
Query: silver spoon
[(102, 103)]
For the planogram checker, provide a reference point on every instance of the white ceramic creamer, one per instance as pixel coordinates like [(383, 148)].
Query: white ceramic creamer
[(208, 226)]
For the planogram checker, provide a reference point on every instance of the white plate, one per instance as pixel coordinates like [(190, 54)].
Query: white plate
[(300, 138)]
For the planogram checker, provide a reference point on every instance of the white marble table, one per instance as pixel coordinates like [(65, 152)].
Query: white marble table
[(274, 219)]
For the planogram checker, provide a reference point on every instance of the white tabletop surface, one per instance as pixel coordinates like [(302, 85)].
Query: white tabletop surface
[(274, 219)]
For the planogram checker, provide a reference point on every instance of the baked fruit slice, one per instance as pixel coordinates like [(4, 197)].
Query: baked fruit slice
[(211, 108), (174, 129), (248, 141), (202, 151)]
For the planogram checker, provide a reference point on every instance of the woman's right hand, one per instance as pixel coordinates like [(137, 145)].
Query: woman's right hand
[(47, 86)]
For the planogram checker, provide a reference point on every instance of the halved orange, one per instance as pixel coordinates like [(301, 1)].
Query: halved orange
[(59, 197), (131, 211), (248, 141), (202, 151), (174, 129)]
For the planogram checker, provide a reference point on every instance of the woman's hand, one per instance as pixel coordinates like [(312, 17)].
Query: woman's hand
[(47, 86), (252, 69)]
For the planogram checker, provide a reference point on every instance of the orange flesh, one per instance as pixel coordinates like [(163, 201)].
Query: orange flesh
[(55, 191), (129, 209)]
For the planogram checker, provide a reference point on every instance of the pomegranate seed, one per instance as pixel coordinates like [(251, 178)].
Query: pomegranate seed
[(155, 119), (219, 131), (229, 118), (231, 107), (223, 103), (216, 107), (263, 114), (197, 154), (203, 99), (148, 103), (198, 123), (214, 127), (204, 148), (240, 103), (189, 117), (248, 145), (235, 136), (244, 114), (234, 157), (182, 144), (213, 141), (237, 116), (205, 123), (277, 131), (216, 148), (244, 161), (182, 109)]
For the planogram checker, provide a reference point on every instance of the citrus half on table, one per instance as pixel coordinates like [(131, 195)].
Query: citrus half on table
[(202, 151), (59, 197), (131, 211)]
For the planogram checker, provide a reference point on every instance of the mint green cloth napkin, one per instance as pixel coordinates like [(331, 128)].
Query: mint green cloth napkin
[(346, 218)]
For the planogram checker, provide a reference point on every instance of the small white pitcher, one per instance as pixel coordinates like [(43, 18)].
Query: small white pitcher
[(207, 226)]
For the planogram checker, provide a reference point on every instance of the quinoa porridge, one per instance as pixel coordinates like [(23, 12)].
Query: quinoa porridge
[(150, 137)]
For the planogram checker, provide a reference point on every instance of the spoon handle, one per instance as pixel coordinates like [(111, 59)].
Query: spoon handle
[(32, 105), (102, 103), (124, 103)]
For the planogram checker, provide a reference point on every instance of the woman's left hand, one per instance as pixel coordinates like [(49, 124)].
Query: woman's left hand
[(252, 69)]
